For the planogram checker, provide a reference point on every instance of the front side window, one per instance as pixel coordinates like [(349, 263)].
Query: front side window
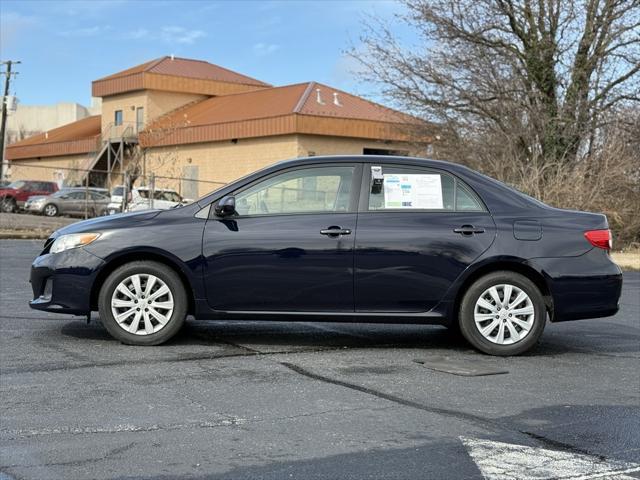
[(407, 188), (117, 119), (308, 190)]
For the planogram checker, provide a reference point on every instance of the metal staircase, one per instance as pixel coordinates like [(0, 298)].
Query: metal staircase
[(115, 145)]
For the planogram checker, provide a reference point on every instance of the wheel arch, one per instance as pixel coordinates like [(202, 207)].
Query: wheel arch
[(512, 264), (149, 255)]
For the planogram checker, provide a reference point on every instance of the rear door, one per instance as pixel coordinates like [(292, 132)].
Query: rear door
[(73, 203), (290, 246), (418, 229)]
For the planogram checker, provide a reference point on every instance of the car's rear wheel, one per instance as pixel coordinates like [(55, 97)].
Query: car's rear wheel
[(50, 210), (8, 205), (143, 303), (502, 313)]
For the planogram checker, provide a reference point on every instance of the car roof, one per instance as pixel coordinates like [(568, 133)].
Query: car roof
[(366, 159)]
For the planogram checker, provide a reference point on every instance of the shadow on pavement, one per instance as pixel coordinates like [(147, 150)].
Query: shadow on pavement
[(557, 339)]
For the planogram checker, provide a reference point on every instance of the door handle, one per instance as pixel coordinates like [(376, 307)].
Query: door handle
[(335, 231), (468, 230)]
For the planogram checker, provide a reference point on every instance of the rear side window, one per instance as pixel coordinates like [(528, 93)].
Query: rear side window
[(407, 188)]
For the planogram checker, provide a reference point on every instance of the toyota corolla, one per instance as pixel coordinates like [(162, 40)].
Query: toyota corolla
[(348, 239)]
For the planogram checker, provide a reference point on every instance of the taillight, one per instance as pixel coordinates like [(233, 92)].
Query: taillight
[(599, 238)]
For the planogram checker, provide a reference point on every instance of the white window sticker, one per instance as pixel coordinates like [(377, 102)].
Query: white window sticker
[(413, 191)]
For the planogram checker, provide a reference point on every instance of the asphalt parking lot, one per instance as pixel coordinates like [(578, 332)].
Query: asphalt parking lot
[(249, 400)]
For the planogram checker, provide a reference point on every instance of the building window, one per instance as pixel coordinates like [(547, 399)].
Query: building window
[(139, 119), (117, 118)]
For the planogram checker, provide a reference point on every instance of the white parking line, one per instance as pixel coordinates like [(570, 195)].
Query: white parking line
[(506, 461)]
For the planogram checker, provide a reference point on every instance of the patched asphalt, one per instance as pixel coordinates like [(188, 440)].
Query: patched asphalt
[(274, 400)]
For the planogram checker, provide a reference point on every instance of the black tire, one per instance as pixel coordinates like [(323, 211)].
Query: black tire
[(169, 277), (468, 326), (50, 210), (8, 205)]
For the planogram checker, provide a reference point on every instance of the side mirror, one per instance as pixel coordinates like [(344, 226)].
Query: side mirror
[(226, 206)]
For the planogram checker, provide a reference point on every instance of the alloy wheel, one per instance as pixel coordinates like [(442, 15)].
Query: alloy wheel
[(50, 211), (504, 314), (142, 304)]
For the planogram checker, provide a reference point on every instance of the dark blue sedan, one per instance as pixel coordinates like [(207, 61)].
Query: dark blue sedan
[(349, 238)]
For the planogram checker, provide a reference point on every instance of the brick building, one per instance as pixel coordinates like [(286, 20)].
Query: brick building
[(186, 118)]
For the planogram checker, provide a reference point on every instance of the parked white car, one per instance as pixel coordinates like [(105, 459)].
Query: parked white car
[(115, 206), (163, 199)]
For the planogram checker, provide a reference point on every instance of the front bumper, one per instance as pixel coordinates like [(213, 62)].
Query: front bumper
[(34, 207), (588, 286), (62, 282)]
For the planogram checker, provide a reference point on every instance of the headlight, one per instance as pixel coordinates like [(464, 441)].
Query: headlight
[(74, 240)]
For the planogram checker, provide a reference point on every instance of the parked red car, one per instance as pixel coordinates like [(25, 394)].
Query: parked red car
[(14, 195)]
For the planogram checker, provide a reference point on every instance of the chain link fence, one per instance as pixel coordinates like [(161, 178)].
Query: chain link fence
[(89, 193)]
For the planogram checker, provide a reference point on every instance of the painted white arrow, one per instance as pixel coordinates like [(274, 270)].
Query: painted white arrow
[(507, 461)]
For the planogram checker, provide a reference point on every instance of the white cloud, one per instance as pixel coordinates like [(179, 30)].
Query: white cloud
[(86, 31), (139, 34), (263, 49), (83, 8), (172, 34)]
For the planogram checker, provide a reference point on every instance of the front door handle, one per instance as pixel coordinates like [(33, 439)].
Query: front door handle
[(335, 231), (468, 230)]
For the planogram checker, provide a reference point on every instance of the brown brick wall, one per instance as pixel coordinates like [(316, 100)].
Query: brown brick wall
[(50, 169)]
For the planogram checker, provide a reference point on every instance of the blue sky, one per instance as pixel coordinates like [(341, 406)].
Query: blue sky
[(64, 45)]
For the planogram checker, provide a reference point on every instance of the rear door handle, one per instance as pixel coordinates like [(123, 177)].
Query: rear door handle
[(335, 231), (468, 230)]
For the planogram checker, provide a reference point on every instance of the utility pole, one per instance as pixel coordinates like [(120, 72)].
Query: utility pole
[(3, 124)]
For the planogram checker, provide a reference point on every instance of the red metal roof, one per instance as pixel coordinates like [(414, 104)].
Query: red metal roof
[(311, 108), (74, 138), (189, 68), (301, 99)]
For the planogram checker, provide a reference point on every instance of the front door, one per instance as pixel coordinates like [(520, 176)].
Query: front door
[(290, 245), (418, 229)]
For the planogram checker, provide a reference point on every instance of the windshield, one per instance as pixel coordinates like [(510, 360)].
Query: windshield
[(18, 184)]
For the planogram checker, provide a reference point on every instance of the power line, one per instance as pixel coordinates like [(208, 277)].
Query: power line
[(3, 123)]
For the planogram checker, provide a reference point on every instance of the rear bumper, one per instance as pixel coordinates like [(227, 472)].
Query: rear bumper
[(588, 286), (62, 282)]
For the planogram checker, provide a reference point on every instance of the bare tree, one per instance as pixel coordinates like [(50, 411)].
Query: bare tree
[(526, 90)]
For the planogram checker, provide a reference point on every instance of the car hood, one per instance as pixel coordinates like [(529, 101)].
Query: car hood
[(36, 197), (7, 191), (111, 222)]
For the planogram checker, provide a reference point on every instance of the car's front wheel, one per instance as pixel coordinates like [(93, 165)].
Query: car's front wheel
[(50, 210), (502, 313), (143, 303)]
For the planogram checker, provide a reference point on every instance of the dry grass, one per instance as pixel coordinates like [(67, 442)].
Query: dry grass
[(627, 260)]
